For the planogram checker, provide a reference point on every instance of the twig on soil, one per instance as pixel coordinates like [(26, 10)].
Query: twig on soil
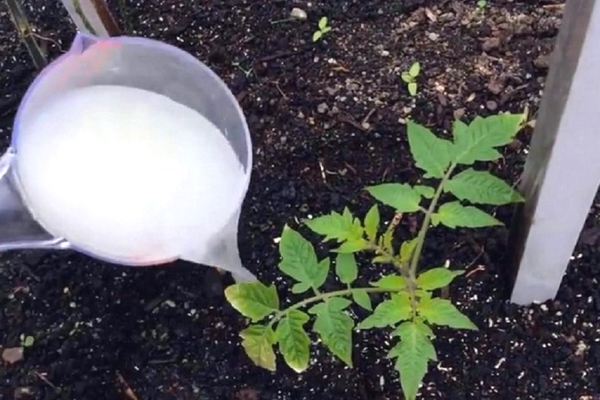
[(365, 121), (322, 168), (479, 268), (45, 380), (127, 389), (280, 91), (351, 121), (280, 55)]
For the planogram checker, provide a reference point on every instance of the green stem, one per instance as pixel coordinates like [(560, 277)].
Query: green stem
[(414, 261), (324, 296)]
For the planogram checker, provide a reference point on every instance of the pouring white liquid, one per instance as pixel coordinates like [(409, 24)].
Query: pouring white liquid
[(127, 174)]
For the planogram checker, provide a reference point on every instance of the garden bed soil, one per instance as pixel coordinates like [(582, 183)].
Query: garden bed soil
[(327, 119)]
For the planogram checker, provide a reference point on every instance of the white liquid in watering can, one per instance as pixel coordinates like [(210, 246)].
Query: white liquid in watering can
[(127, 174)]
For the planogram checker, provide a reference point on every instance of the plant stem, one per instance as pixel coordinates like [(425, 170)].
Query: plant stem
[(414, 261), (416, 256), (323, 296)]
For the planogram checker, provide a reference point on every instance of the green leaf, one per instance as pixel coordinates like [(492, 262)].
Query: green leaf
[(406, 250), (323, 23), (335, 327), (455, 215), (385, 240), (388, 313), (421, 326), (437, 278), (432, 154), (299, 259), (483, 135), (362, 298), (426, 191), (326, 29), (413, 354), (415, 69), (482, 187), (346, 268), (442, 312), (294, 343), (352, 246), (371, 222), (316, 36), (400, 196), (382, 260), (412, 88), (392, 282), (335, 226), (258, 341), (253, 299), (407, 78), (301, 287)]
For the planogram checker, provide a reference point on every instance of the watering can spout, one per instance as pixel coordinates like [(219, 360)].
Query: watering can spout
[(82, 42), (18, 228)]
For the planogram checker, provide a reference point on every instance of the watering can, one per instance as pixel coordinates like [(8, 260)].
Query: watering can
[(140, 63)]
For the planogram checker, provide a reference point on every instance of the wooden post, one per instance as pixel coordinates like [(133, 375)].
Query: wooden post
[(92, 17), (562, 172)]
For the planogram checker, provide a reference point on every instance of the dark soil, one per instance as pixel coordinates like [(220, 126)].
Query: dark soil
[(327, 119)]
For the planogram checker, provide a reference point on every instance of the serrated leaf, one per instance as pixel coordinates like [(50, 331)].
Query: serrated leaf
[(301, 287), (316, 36), (413, 354), (400, 196), (406, 77), (412, 88), (257, 341), (482, 187), (294, 343), (346, 268), (455, 215), (371, 222), (392, 282), (415, 69), (352, 246), (335, 327), (332, 226), (443, 312), (299, 259), (421, 326), (253, 299), (432, 154), (323, 23), (437, 278), (483, 135), (406, 250), (425, 191), (363, 299), (389, 312), (385, 240)]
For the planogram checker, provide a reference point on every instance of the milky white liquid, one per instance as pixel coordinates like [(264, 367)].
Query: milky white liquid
[(126, 174)]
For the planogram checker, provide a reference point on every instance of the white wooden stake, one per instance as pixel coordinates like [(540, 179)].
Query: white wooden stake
[(562, 172)]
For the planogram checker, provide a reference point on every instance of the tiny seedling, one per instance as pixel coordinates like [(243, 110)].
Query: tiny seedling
[(412, 308), (323, 28), (410, 78), (481, 4), (26, 341)]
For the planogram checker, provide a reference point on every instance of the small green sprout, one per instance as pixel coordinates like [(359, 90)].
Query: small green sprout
[(323, 29), (481, 4), (26, 341), (410, 78)]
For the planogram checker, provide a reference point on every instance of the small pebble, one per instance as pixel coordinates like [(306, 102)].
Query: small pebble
[(491, 105), (298, 13), (322, 108), (433, 36), (491, 44)]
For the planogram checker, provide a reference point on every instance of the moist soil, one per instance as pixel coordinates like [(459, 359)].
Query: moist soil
[(327, 119)]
